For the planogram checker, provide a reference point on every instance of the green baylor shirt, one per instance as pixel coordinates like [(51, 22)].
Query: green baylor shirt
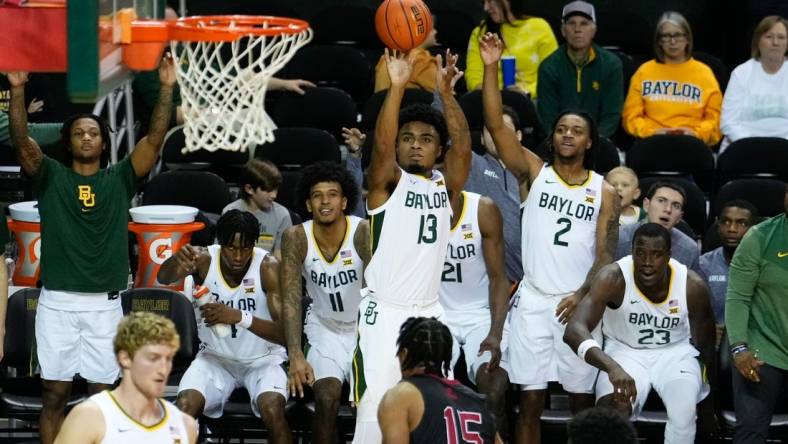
[(84, 226)]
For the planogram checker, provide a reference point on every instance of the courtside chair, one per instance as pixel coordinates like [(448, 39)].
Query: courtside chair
[(337, 66), (753, 157), (766, 194), (533, 131), (694, 208), (21, 386), (673, 155), (371, 108), (345, 25), (329, 109)]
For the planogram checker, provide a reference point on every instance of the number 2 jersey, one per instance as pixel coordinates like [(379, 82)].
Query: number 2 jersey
[(249, 295), (641, 323), (453, 413), (464, 281), (335, 285), (559, 231), (410, 234)]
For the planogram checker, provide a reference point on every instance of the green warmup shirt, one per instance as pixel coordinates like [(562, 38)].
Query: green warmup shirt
[(756, 304), (84, 226)]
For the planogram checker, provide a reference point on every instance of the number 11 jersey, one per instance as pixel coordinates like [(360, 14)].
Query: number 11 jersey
[(559, 231)]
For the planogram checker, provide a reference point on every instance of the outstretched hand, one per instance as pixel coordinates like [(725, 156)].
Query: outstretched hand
[(399, 66), (17, 78), (490, 48), (447, 74), (167, 70)]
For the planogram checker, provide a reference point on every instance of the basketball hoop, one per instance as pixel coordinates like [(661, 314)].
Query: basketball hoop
[(224, 64)]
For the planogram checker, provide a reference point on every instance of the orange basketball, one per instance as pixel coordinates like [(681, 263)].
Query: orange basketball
[(403, 24)]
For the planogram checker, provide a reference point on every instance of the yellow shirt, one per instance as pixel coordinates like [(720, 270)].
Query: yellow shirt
[(662, 95), (423, 75), (529, 40)]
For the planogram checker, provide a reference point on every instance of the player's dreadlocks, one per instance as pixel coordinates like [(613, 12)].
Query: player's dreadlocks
[(428, 342), (237, 221), (593, 134)]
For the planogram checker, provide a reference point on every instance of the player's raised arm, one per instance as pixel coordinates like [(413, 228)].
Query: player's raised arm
[(702, 326), (294, 249), (146, 152), (491, 228), (384, 171), (607, 289), (458, 158), (28, 153), (523, 163)]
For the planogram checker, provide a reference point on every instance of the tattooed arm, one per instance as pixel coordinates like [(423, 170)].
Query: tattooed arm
[(361, 242), (28, 153), (145, 154)]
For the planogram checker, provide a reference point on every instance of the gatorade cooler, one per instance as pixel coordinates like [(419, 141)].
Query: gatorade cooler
[(25, 223), (161, 230)]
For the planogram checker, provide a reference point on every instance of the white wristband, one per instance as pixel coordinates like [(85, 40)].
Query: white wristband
[(586, 345), (246, 319)]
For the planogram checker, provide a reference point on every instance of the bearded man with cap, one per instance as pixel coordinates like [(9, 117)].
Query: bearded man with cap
[(581, 74)]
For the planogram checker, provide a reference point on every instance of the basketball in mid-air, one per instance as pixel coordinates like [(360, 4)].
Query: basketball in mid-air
[(403, 24)]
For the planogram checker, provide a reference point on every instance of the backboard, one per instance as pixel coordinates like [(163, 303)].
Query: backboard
[(94, 56)]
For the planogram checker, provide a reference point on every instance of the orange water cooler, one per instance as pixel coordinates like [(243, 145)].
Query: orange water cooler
[(161, 231), (26, 226)]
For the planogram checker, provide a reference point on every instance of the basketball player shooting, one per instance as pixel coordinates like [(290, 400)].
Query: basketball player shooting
[(134, 412), (570, 231), (410, 212), (329, 252), (654, 313)]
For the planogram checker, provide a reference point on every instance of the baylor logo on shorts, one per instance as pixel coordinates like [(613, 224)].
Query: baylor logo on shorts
[(370, 314), (86, 195)]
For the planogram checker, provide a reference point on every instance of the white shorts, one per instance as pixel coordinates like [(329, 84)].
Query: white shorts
[(656, 368), (216, 378), (375, 364), (330, 348), (537, 351), (469, 329), (77, 342)]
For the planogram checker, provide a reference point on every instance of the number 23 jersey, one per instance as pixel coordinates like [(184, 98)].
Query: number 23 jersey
[(559, 231)]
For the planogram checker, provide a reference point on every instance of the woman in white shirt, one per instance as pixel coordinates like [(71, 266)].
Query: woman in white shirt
[(756, 101)]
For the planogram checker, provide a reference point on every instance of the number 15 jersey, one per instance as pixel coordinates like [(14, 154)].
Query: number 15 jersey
[(559, 231)]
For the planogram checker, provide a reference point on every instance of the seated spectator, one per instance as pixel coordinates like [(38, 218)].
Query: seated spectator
[(42, 133), (664, 205), (260, 180), (529, 39), (424, 67), (581, 74), (625, 181), (756, 101), (736, 217), (601, 424), (674, 93)]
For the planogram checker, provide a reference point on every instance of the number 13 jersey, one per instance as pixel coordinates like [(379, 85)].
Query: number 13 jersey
[(559, 231), (410, 235)]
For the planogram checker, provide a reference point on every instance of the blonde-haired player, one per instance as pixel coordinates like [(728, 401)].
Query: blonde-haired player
[(625, 181), (132, 413)]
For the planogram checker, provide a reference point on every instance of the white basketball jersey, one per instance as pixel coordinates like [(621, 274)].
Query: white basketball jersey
[(464, 281), (335, 285), (241, 345), (559, 231), (122, 429), (410, 234), (640, 323)]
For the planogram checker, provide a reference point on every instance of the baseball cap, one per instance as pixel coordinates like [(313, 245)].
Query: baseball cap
[(579, 7)]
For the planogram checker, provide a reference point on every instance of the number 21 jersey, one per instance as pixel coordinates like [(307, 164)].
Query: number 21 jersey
[(559, 231)]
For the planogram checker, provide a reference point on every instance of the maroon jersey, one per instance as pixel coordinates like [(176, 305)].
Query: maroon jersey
[(453, 413)]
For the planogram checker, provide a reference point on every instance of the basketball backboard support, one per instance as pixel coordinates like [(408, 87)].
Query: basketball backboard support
[(94, 55)]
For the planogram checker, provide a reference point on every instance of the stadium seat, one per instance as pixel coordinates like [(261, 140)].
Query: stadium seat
[(718, 67), (329, 109), (369, 113), (226, 164), (21, 386), (625, 30), (530, 125), (711, 239), (606, 156), (766, 194), (454, 28), (335, 66), (280, 8), (200, 189), (628, 66), (287, 195), (172, 305), (297, 147), (346, 25), (668, 155), (694, 208), (754, 157), (239, 423)]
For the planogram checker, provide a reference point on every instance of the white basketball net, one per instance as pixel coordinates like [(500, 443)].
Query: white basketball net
[(223, 87)]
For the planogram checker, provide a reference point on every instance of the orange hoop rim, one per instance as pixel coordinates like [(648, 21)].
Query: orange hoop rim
[(215, 28)]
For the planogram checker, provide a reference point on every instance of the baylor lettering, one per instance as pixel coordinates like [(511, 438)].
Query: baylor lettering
[(333, 280), (423, 201), (246, 304), (645, 319), (566, 206), (462, 251), (671, 91)]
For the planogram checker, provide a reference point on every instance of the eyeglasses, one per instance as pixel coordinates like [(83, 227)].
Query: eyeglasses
[(677, 37)]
